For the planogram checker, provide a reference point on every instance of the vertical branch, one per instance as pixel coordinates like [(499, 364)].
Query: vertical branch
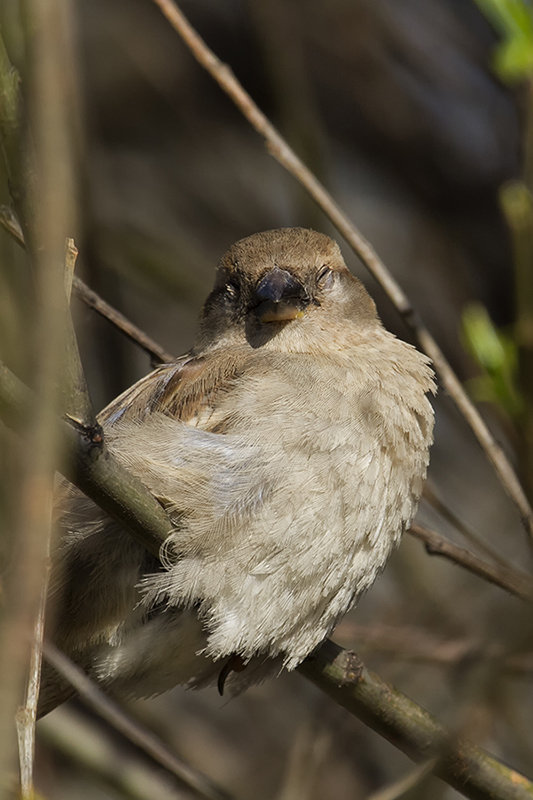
[(517, 204), (522, 228), (27, 714), (42, 188)]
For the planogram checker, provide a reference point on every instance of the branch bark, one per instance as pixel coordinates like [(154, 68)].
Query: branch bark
[(111, 712), (469, 769), (93, 469), (513, 581)]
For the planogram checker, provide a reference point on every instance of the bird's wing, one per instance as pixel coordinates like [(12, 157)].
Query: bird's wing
[(186, 390), (174, 429)]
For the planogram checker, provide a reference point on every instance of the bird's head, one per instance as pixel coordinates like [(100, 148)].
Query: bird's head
[(280, 278)]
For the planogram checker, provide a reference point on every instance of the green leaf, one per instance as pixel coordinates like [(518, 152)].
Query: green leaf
[(496, 355), (513, 19)]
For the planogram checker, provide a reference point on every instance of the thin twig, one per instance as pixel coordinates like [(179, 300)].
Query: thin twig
[(71, 255), (111, 712), (94, 301), (513, 581), (413, 644), (281, 151), (157, 353), (431, 495), (10, 223), (100, 757), (27, 713), (469, 769), (407, 782), (77, 400)]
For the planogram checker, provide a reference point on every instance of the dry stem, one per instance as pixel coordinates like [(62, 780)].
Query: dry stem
[(157, 353), (513, 581), (111, 712), (342, 675)]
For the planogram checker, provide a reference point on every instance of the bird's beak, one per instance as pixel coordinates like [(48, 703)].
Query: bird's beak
[(280, 297)]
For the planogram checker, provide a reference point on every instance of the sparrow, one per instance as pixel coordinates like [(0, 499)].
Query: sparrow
[(289, 448)]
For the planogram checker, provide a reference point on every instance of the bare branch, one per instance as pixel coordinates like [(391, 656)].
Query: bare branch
[(414, 644), (111, 712), (431, 495), (27, 714), (281, 151), (157, 353), (94, 301), (10, 223), (93, 469), (469, 769), (513, 581)]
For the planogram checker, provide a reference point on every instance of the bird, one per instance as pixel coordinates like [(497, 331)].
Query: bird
[(289, 448)]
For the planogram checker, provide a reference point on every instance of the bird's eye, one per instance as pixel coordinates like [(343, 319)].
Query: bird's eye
[(324, 279)]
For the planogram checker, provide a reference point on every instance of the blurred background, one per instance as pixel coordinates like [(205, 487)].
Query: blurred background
[(415, 119)]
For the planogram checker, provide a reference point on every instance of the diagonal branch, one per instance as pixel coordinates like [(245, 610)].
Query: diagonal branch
[(431, 495), (93, 469), (513, 581), (281, 151), (116, 318), (113, 714), (469, 769), (157, 353)]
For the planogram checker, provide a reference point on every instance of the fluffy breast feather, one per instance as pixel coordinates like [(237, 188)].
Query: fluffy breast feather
[(273, 541)]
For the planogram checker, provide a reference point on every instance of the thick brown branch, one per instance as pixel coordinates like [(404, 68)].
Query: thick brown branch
[(93, 469), (281, 151), (469, 769)]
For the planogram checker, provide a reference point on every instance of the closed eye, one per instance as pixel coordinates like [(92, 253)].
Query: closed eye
[(231, 289), (325, 277)]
